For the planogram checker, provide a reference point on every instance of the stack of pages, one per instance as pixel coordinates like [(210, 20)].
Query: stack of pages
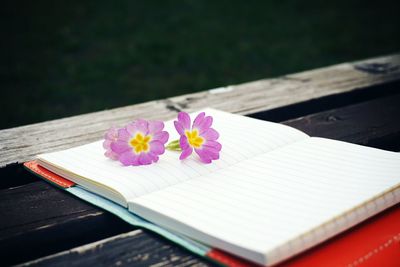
[(274, 192)]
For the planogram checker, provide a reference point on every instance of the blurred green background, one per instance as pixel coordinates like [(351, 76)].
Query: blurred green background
[(61, 58)]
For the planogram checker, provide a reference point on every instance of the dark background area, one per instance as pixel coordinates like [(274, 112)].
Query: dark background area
[(62, 58)]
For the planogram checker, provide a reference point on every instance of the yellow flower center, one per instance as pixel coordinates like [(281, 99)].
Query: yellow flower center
[(194, 139), (140, 143)]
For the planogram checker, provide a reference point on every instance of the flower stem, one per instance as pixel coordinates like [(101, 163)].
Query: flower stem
[(174, 146)]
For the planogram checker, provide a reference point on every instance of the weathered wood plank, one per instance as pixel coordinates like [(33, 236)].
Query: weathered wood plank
[(46, 220), (14, 175), (325, 103), (23, 143), (46, 206), (136, 248), (366, 123), (374, 123)]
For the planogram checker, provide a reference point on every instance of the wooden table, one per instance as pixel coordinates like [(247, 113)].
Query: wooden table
[(357, 102)]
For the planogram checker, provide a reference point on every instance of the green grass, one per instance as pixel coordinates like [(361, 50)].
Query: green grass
[(60, 59)]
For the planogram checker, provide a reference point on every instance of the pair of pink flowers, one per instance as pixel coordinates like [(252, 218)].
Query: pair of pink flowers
[(141, 142)]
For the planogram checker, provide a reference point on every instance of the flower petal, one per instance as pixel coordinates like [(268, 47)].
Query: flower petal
[(211, 152), (213, 144), (106, 144), (112, 133), (155, 126), (179, 127), (183, 142), (186, 153), (153, 157), (131, 128), (124, 134), (161, 137), (199, 119), (184, 119), (204, 155), (205, 124), (157, 147), (210, 134), (144, 159), (142, 126), (110, 154), (128, 158), (120, 147)]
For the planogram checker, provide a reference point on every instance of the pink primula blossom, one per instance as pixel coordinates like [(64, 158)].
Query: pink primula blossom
[(140, 142), (199, 137)]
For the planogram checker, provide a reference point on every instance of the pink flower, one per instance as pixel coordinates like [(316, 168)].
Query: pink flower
[(140, 142), (110, 136), (200, 137)]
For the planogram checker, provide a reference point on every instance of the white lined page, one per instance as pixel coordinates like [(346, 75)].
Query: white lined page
[(280, 200), (241, 138)]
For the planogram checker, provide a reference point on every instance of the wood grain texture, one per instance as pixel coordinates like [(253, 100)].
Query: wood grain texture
[(136, 248), (38, 219), (365, 123), (373, 123), (23, 143)]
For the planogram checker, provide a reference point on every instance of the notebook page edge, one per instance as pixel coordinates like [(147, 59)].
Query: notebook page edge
[(303, 242), (88, 184), (170, 223)]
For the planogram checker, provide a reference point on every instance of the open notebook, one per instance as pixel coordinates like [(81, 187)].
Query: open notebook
[(274, 192)]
